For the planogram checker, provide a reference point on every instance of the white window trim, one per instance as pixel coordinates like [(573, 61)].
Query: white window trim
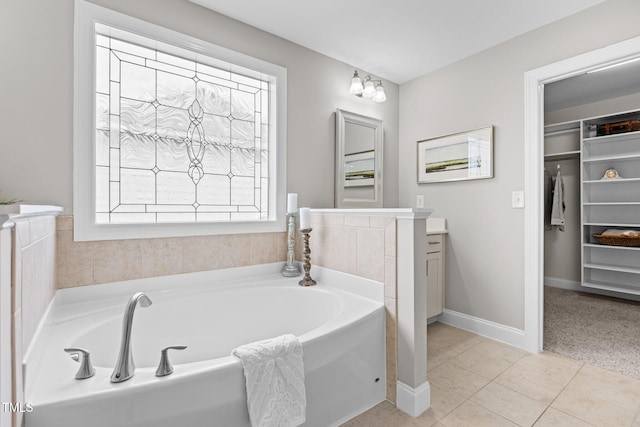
[(85, 229)]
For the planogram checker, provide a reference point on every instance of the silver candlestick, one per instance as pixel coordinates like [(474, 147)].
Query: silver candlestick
[(291, 268), (307, 280)]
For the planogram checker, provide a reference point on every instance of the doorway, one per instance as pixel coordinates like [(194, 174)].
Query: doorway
[(535, 80)]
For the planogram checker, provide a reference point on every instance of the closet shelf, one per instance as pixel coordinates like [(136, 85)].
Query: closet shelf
[(610, 224), (563, 127), (609, 287), (609, 247), (611, 203), (634, 156), (612, 268), (561, 131), (566, 155), (610, 138), (612, 181)]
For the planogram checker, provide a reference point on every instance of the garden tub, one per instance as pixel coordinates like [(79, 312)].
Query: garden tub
[(340, 323)]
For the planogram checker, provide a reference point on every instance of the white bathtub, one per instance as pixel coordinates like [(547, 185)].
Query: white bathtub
[(340, 323)]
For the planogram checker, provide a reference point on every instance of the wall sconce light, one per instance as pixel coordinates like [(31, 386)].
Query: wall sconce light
[(367, 88)]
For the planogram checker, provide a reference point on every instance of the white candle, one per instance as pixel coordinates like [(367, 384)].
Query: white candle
[(305, 218), (292, 203)]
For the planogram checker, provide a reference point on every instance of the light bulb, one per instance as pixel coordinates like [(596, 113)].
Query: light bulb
[(356, 84), (369, 90), (380, 95)]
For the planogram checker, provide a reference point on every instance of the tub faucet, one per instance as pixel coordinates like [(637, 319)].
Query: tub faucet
[(125, 367)]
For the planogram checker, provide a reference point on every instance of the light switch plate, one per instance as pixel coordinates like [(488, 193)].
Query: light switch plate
[(517, 199), (420, 201)]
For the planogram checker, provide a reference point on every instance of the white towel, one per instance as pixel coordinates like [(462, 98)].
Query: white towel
[(557, 207), (274, 374)]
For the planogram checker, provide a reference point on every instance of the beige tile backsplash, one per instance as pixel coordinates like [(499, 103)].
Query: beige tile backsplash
[(88, 263)]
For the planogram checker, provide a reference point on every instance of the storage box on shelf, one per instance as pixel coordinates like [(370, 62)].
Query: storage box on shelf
[(610, 203)]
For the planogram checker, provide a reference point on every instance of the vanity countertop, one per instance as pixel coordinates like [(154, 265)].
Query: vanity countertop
[(436, 226), (434, 231)]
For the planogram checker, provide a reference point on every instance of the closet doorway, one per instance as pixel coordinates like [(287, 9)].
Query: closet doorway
[(535, 82), (583, 318)]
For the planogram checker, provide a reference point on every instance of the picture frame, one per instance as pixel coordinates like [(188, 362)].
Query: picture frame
[(456, 157), (359, 169)]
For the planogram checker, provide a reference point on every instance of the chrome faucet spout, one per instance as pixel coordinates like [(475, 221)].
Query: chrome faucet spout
[(125, 367)]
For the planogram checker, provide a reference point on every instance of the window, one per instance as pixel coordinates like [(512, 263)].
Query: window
[(183, 141)]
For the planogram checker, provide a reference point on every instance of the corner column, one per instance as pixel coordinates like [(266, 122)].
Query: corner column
[(413, 391)]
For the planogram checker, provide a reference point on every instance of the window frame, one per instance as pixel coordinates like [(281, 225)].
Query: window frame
[(85, 227)]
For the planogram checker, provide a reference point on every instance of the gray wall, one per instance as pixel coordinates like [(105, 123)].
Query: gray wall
[(485, 247), (36, 111)]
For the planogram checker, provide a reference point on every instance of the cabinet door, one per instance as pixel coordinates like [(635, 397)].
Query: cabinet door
[(434, 284)]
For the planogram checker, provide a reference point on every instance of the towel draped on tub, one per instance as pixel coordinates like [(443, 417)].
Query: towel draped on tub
[(274, 374)]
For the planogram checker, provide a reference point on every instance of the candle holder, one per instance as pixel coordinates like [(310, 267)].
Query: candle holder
[(291, 268), (307, 280)]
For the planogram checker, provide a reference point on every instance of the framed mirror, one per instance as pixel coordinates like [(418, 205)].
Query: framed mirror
[(359, 158)]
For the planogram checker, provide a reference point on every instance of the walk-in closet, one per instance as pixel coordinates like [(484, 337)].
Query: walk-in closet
[(592, 218)]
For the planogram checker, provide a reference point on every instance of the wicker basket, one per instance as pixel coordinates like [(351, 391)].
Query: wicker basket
[(617, 240)]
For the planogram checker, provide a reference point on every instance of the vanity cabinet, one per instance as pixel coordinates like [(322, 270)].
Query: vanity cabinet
[(610, 203), (435, 274)]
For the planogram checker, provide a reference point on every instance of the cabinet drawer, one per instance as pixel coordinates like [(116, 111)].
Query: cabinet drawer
[(434, 243)]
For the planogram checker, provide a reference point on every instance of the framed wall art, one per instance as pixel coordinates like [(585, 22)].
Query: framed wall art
[(456, 157)]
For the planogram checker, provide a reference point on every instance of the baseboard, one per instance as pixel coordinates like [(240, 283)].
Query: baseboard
[(413, 401), (572, 285), (433, 319), (486, 328)]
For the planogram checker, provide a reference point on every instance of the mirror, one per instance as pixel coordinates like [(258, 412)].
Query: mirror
[(359, 157)]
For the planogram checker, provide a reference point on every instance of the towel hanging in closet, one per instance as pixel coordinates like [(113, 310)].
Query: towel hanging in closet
[(558, 206)]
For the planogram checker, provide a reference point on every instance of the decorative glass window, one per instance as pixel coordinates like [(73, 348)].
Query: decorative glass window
[(177, 140), (180, 135)]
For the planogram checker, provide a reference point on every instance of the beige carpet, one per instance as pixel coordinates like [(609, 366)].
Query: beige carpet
[(598, 330)]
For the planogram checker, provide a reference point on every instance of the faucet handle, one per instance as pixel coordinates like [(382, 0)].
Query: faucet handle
[(164, 367), (86, 369)]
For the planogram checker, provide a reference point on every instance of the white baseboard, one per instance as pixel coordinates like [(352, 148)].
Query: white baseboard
[(433, 319), (572, 285), (486, 328), (413, 401)]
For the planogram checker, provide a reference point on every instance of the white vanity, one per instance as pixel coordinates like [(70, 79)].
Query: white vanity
[(436, 230)]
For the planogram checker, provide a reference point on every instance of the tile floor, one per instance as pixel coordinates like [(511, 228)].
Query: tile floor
[(476, 381)]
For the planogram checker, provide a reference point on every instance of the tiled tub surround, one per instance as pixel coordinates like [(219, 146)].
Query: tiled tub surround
[(89, 263), (340, 324), (365, 243), (32, 284), (365, 246)]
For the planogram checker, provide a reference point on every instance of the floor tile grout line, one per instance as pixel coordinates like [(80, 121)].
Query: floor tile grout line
[(490, 410), (454, 408), (510, 389), (583, 364)]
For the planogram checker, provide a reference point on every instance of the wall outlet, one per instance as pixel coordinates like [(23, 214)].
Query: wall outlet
[(420, 201), (517, 199)]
